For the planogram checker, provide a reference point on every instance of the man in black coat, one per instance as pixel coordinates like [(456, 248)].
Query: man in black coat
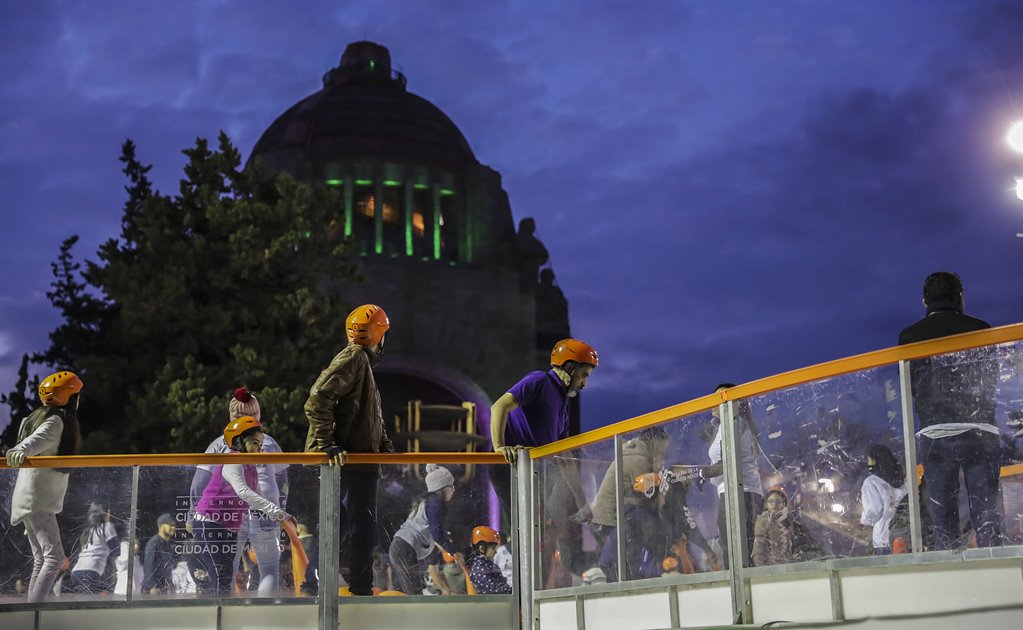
[(954, 396)]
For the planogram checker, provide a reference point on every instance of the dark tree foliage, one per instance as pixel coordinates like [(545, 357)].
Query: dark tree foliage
[(235, 280), (20, 402)]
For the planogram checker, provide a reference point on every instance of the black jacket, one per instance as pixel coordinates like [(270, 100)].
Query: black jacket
[(956, 387)]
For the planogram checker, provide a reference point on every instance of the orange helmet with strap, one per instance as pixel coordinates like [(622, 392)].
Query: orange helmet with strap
[(57, 389), (482, 533), (573, 350), (238, 426), (366, 325)]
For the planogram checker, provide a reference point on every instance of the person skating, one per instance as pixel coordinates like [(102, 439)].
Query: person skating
[(344, 415), (226, 501), (97, 544), (422, 540), (485, 575), (39, 493), (881, 494), (262, 534)]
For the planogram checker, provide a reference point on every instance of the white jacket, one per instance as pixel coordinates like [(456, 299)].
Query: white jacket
[(39, 489), (879, 500)]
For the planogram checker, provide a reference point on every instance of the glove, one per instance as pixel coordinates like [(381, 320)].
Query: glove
[(584, 515), (15, 458), (336, 456)]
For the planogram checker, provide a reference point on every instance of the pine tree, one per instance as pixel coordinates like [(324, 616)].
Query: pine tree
[(20, 402), (235, 280)]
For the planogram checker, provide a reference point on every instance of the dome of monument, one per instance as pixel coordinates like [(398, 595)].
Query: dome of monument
[(364, 111)]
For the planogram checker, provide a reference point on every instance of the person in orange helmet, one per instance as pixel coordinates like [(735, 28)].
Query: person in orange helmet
[(534, 412), (344, 415), (486, 576), (231, 494), (39, 492)]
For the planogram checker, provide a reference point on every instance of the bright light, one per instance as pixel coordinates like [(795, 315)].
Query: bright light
[(1019, 188), (826, 485), (1015, 137), (837, 508)]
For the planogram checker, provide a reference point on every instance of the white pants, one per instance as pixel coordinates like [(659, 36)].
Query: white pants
[(264, 538), (47, 553)]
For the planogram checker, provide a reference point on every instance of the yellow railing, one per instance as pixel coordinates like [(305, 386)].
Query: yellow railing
[(877, 358), (192, 459)]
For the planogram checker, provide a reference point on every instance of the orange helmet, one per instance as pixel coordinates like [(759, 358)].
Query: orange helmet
[(57, 389), (482, 533), (573, 350), (236, 427), (366, 325), (669, 564)]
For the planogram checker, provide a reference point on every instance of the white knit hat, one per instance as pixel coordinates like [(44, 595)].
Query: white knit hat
[(438, 477), (243, 403)]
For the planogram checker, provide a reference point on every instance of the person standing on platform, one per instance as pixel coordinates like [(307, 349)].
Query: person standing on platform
[(344, 415), (39, 492), (954, 396)]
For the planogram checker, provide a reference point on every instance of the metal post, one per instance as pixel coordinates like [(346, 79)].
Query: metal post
[(330, 499), (516, 544), (835, 587), (909, 443), (132, 524), (619, 508), (525, 572), (735, 513)]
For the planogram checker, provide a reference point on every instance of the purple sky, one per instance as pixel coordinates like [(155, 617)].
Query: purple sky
[(728, 190)]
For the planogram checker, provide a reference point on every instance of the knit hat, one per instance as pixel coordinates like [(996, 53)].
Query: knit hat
[(438, 477), (165, 519), (243, 403), (594, 575)]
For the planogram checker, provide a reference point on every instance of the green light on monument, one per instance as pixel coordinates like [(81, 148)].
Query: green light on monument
[(372, 66), (335, 182), (421, 186), (390, 183), (364, 182), (446, 192)]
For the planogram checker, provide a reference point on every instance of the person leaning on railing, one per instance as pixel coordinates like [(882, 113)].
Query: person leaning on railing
[(534, 412), (39, 492), (954, 396), (344, 414)]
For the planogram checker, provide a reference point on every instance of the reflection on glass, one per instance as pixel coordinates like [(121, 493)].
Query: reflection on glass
[(824, 498), (91, 527)]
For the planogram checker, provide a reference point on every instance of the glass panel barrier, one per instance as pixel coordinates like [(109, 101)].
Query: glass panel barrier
[(197, 539), (674, 520), (577, 516), (92, 529), (810, 452), (967, 408), (427, 517)]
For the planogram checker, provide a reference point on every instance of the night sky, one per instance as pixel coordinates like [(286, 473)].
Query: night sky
[(727, 189)]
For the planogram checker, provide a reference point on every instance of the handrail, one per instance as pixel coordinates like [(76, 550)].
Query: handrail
[(192, 459), (828, 369)]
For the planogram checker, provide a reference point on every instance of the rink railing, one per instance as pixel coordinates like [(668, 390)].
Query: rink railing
[(738, 578), (528, 504)]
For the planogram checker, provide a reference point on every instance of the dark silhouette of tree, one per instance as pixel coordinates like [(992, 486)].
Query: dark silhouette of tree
[(232, 281)]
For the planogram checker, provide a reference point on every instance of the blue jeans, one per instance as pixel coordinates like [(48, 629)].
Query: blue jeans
[(218, 546), (976, 453)]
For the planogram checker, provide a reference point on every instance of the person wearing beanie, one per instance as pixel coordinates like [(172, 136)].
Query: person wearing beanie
[(344, 414), (262, 534), (422, 540), (97, 544)]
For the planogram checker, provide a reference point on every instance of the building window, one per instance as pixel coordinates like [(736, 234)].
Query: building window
[(449, 246), (364, 211), (394, 226), (422, 223)]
